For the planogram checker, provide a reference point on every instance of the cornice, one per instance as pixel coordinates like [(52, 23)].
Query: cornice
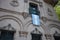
[(24, 14), (47, 19), (35, 1), (52, 2), (9, 11), (54, 20)]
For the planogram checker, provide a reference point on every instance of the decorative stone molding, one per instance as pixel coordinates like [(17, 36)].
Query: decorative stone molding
[(56, 34), (12, 18), (14, 3), (25, 1), (53, 20), (25, 15), (41, 4), (8, 28), (36, 31), (44, 19), (9, 11), (23, 33), (48, 36), (54, 25), (49, 12), (47, 19), (35, 1)]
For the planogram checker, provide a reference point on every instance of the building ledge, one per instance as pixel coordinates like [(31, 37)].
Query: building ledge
[(52, 2), (47, 19)]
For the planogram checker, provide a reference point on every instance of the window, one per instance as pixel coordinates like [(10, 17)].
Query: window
[(6, 35), (33, 10), (36, 34), (57, 36), (36, 37)]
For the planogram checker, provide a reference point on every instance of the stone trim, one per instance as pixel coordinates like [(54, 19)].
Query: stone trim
[(7, 28), (54, 25), (9, 11), (52, 2), (23, 33), (35, 1), (24, 14), (54, 20), (45, 19), (12, 18), (48, 36), (27, 15)]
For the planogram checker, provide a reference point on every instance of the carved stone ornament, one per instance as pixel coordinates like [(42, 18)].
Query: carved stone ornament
[(48, 36), (8, 27), (25, 1), (25, 15), (44, 19), (41, 4), (50, 12), (56, 34), (36, 31), (37, 1), (14, 3), (23, 33)]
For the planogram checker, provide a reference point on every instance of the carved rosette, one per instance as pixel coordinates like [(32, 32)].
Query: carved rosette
[(25, 15), (48, 36), (44, 19), (23, 33), (14, 3)]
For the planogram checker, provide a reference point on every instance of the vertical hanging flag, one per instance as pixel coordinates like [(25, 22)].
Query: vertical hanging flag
[(35, 19)]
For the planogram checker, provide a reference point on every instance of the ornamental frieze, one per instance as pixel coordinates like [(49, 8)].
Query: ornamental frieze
[(14, 3)]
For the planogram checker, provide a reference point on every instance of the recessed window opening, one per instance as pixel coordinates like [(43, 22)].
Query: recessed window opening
[(7, 35), (33, 10)]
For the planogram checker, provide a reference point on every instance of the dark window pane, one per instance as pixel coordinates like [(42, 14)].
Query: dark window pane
[(57, 37), (6, 35), (36, 37), (33, 9)]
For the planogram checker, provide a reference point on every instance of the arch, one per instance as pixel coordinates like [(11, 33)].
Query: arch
[(54, 25), (11, 17), (53, 28), (31, 28), (30, 22)]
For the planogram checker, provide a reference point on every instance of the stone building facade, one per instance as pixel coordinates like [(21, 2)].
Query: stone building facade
[(16, 21)]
